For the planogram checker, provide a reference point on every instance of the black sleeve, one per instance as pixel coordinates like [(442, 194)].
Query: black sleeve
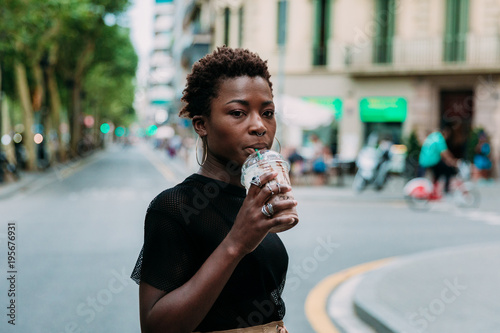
[(167, 259)]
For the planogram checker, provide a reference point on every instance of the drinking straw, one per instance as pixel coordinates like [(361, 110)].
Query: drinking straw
[(258, 154)]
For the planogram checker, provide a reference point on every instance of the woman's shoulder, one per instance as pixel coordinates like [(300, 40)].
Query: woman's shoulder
[(174, 197)]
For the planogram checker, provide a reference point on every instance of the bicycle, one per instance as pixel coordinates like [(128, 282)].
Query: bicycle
[(420, 191)]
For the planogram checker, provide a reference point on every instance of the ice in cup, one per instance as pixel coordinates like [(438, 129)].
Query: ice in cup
[(264, 161)]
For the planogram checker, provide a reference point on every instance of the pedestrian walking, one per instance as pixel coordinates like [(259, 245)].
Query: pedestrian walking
[(209, 261)]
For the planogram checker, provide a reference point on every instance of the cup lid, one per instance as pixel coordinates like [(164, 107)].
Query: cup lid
[(262, 155)]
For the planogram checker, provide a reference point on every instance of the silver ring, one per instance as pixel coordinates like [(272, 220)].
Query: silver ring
[(264, 211), (279, 187), (261, 134), (270, 189), (270, 208), (256, 181)]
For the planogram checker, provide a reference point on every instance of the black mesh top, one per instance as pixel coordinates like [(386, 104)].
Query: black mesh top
[(183, 226)]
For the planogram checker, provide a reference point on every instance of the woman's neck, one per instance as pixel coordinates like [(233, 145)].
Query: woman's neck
[(229, 172)]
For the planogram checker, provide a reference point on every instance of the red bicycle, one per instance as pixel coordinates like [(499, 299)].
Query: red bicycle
[(419, 192)]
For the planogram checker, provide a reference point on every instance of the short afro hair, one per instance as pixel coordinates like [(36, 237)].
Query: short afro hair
[(207, 74)]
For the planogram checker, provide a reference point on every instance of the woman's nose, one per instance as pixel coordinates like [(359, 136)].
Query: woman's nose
[(257, 125)]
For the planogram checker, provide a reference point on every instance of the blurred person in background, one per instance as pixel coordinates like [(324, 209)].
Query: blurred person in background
[(296, 165), (209, 261), (482, 160), (320, 160), (436, 156)]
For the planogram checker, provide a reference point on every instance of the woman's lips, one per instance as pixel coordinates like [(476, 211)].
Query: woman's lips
[(252, 149)]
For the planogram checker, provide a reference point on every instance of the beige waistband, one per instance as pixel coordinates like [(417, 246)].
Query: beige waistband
[(266, 328)]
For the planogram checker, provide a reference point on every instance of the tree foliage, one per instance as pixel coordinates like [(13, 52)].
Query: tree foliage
[(74, 65)]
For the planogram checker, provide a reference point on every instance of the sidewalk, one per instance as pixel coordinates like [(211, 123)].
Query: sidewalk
[(448, 290), (32, 180), (8, 189)]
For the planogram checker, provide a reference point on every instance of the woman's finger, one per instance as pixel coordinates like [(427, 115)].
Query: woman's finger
[(288, 221), (271, 189), (258, 182), (281, 205)]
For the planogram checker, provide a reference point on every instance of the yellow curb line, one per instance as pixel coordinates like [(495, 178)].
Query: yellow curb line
[(162, 168), (317, 299)]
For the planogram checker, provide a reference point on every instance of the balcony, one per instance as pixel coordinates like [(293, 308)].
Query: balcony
[(469, 55), (163, 41), (161, 59), (164, 23)]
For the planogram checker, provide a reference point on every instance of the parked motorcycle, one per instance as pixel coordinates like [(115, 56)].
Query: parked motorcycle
[(7, 168), (373, 166)]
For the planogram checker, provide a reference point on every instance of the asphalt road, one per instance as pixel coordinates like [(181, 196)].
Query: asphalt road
[(77, 238)]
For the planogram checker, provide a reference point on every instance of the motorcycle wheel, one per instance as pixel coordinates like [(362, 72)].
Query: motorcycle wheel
[(13, 170), (380, 185), (359, 183)]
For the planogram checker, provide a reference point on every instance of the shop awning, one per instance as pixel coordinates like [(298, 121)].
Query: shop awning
[(301, 113), (383, 109)]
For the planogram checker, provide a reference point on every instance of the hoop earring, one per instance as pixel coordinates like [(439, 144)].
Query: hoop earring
[(205, 152), (279, 144)]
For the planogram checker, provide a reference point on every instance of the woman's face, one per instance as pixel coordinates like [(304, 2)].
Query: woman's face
[(243, 109)]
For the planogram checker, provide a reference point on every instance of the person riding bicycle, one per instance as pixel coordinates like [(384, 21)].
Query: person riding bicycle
[(436, 156)]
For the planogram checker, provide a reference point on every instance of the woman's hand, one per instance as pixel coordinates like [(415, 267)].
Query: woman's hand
[(252, 225)]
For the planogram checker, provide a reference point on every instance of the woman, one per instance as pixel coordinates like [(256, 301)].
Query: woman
[(209, 262)]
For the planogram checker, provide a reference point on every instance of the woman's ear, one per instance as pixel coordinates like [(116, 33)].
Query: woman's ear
[(199, 125)]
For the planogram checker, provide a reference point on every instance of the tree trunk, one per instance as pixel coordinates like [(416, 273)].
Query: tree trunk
[(96, 129), (55, 112), (76, 132), (38, 102), (7, 128), (5, 122), (24, 97), (39, 90), (81, 66), (55, 102)]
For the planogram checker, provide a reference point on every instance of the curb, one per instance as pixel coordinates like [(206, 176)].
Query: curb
[(381, 315), (317, 299)]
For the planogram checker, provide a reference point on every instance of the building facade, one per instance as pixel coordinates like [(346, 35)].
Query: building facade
[(386, 66), (193, 40), (160, 92)]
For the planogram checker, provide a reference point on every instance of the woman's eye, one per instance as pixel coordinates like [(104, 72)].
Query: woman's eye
[(237, 113), (269, 113)]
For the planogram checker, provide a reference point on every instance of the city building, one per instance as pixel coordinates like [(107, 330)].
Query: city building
[(193, 40), (160, 92), (385, 66)]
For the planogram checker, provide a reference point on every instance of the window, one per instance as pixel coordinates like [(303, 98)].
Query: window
[(321, 29), (241, 13), (457, 19), (384, 31), (227, 17), (282, 4)]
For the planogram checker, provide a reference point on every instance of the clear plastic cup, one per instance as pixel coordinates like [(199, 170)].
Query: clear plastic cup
[(264, 161)]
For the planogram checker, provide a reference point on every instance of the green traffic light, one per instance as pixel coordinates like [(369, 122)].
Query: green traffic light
[(119, 131), (105, 128)]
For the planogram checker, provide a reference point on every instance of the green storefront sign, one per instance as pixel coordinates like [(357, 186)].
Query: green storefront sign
[(333, 103), (383, 109)]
